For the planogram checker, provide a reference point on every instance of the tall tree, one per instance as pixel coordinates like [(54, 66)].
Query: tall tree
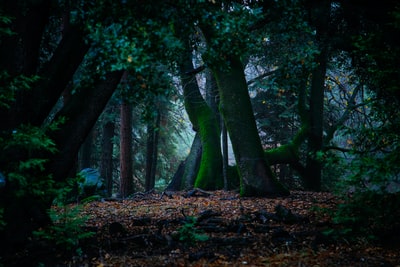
[(256, 177), (107, 145), (35, 72), (204, 122), (320, 16), (81, 119), (126, 163), (86, 152), (152, 149), (30, 106)]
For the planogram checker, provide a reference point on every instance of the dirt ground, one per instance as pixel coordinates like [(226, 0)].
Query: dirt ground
[(218, 228)]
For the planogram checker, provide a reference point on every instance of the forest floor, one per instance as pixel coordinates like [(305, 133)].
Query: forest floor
[(219, 228)]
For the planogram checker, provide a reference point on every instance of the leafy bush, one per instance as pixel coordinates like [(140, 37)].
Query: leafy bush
[(189, 233), (371, 187), (371, 190), (26, 179), (371, 199)]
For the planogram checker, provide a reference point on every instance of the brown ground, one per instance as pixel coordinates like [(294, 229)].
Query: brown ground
[(148, 230)]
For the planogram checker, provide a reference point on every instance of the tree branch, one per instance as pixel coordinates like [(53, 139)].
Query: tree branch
[(195, 71), (262, 76), (345, 116)]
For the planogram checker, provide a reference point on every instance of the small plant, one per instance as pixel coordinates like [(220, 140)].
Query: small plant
[(66, 231), (189, 233)]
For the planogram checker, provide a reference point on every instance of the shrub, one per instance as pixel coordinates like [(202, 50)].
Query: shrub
[(66, 230), (189, 233), (371, 198)]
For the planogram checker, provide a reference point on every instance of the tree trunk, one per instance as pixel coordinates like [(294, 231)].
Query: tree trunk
[(26, 213), (313, 172), (206, 124), (126, 182), (212, 99), (80, 119), (152, 154), (225, 155), (30, 106), (186, 173), (86, 152), (106, 164), (175, 183), (19, 53), (256, 176)]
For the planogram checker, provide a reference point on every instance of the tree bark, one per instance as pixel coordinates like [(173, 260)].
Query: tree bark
[(80, 119), (106, 164), (320, 16), (225, 155), (256, 176), (206, 124), (313, 175), (85, 159), (19, 53), (126, 175), (186, 173), (30, 105), (192, 165), (151, 154)]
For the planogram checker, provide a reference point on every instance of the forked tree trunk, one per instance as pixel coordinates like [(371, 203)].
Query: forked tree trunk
[(256, 176), (206, 124)]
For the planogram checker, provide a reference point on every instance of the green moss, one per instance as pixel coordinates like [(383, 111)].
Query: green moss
[(204, 121), (284, 154), (209, 176)]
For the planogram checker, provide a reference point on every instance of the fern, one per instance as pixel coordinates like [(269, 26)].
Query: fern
[(189, 233), (66, 230)]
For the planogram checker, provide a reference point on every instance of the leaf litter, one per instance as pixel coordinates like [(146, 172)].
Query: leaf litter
[(147, 230)]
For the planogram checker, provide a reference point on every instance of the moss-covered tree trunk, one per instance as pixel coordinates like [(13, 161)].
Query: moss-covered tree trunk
[(256, 176), (290, 153), (206, 124)]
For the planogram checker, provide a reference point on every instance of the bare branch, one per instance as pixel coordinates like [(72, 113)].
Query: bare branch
[(262, 76)]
